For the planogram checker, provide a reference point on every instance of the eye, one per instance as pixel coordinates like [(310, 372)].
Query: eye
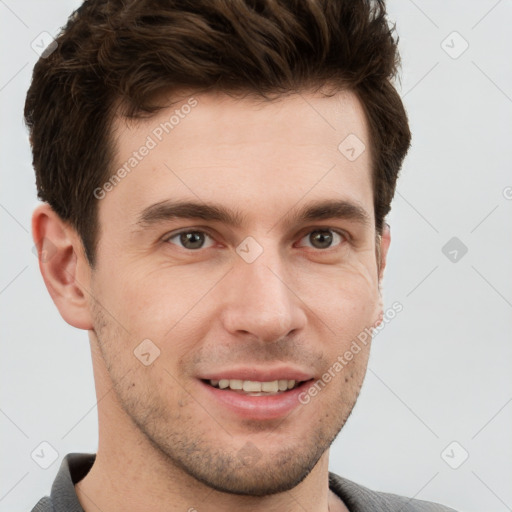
[(191, 239), (194, 239), (324, 238)]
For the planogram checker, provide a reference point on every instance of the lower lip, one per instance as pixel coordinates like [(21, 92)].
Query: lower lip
[(258, 407)]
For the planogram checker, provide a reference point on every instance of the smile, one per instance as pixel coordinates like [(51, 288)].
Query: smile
[(254, 400)]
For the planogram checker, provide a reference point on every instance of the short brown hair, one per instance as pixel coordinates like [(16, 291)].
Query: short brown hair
[(126, 52)]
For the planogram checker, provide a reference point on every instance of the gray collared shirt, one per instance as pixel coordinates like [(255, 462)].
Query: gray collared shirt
[(75, 466)]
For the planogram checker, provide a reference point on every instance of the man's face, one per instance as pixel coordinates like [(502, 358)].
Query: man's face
[(269, 296)]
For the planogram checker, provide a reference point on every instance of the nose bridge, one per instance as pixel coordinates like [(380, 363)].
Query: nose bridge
[(260, 301)]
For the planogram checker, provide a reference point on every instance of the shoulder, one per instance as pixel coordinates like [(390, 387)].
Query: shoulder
[(63, 498), (359, 498), (43, 505)]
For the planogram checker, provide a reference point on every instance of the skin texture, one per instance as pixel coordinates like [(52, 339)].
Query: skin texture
[(163, 443)]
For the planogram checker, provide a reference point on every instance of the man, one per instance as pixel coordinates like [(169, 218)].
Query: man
[(216, 176)]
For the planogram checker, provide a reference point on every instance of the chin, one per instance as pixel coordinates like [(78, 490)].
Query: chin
[(258, 481)]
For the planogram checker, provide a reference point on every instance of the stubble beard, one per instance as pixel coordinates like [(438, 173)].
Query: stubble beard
[(187, 445)]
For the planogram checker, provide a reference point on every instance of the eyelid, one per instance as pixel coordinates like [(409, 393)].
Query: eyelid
[(185, 230)]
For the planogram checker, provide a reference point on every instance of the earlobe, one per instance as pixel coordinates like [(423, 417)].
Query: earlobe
[(60, 259)]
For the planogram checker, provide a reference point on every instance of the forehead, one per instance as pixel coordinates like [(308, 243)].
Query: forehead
[(253, 155)]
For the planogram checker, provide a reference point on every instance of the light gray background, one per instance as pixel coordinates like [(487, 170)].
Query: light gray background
[(439, 372)]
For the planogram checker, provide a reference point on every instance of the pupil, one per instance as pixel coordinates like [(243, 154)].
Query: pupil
[(321, 239), (192, 240)]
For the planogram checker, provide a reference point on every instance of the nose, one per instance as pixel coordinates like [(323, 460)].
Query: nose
[(260, 301)]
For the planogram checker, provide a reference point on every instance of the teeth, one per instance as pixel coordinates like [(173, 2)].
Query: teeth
[(252, 386), (270, 387), (236, 384)]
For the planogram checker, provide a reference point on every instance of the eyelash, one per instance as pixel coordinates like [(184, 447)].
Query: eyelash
[(193, 230)]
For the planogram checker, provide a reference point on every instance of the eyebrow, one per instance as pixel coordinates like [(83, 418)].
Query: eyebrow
[(315, 210)]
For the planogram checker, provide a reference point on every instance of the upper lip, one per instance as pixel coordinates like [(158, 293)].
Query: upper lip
[(261, 374)]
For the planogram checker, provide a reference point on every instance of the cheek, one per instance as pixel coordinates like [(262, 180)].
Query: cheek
[(168, 306), (348, 294), (131, 293)]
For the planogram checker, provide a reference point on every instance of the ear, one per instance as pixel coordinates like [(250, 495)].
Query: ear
[(63, 265), (382, 250), (382, 246)]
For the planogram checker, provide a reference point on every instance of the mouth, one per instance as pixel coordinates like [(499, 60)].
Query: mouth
[(256, 393), (255, 400)]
